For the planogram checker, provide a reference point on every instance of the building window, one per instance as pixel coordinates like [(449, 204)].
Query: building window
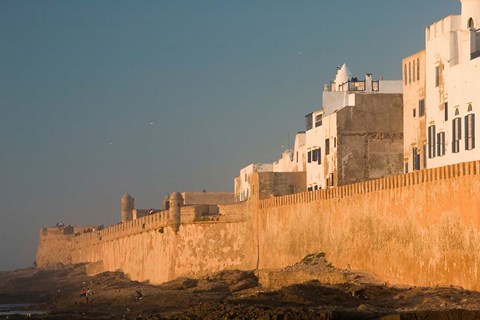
[(406, 167), (414, 113), (335, 142), (424, 149), (421, 108), (437, 76), (471, 24), (409, 72), (309, 156), (319, 155), (416, 159), (309, 189), (441, 144), (318, 120), (445, 111), (314, 155), (245, 177), (330, 181), (315, 188), (418, 69), (405, 73), (297, 156), (327, 146), (431, 141), (470, 132), (413, 70), (308, 119), (456, 134)]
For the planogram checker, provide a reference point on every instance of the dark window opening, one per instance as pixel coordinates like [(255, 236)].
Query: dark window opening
[(470, 132), (309, 156), (327, 146), (409, 72), (308, 119), (471, 24), (456, 134), (437, 76), (318, 120), (445, 110), (413, 71), (441, 144), (406, 167), (421, 108), (431, 141), (418, 69), (424, 149), (416, 159)]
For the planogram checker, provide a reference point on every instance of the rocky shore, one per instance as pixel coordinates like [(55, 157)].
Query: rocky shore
[(328, 293)]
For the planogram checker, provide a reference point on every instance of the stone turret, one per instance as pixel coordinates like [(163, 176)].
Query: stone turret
[(166, 202), (176, 201), (470, 14), (128, 204)]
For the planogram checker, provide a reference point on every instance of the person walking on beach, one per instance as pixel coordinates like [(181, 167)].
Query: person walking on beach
[(88, 294)]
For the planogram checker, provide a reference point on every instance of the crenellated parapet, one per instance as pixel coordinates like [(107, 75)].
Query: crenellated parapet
[(387, 183)]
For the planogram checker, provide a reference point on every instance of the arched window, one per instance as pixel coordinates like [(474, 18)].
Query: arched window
[(471, 24)]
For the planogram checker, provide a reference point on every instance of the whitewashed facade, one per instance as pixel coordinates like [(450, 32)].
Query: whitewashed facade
[(290, 161), (242, 182), (322, 129), (293, 160), (452, 72)]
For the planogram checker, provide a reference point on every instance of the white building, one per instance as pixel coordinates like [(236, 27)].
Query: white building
[(293, 160), (364, 142), (290, 161), (242, 184), (414, 112), (452, 73)]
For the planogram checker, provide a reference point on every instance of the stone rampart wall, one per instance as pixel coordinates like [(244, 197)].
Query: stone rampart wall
[(421, 228), (54, 248)]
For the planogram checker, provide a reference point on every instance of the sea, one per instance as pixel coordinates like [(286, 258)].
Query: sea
[(19, 308)]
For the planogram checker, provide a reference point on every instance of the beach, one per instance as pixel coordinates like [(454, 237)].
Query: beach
[(232, 294)]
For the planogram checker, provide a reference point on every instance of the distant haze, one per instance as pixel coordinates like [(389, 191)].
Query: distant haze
[(99, 98)]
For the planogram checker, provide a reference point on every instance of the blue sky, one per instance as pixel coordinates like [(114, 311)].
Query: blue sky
[(98, 98)]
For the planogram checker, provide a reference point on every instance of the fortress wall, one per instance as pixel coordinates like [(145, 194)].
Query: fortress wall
[(207, 198), (419, 229), (233, 212), (160, 255), (54, 248), (422, 228)]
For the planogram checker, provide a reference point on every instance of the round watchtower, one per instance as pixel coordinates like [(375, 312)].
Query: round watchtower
[(176, 201), (127, 204), (470, 14), (166, 202)]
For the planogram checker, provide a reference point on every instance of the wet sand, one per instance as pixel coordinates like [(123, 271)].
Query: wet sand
[(231, 295)]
